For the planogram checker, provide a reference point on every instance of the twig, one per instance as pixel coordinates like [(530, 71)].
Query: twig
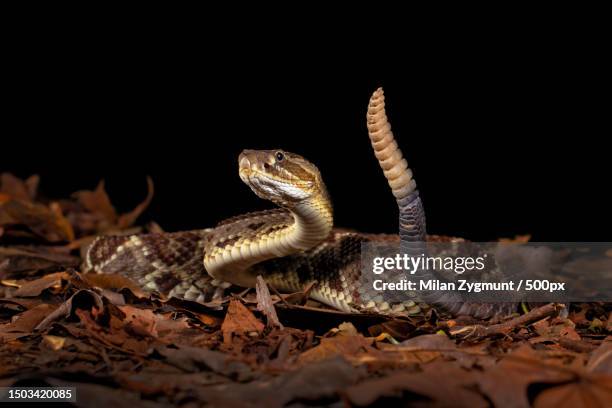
[(479, 331), (280, 296), (265, 304), (300, 298)]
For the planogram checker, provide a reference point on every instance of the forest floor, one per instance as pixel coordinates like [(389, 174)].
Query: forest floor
[(119, 345)]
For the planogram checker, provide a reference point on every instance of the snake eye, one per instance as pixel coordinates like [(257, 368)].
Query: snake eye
[(279, 156)]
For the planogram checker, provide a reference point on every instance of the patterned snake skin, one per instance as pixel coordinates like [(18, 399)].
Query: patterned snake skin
[(291, 246)]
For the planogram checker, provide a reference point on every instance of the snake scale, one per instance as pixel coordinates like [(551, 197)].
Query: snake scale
[(290, 246)]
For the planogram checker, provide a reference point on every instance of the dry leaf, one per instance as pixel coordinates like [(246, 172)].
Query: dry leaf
[(98, 202), (142, 322), (195, 358), (24, 323), (35, 287), (346, 343), (166, 352), (601, 359), (239, 320), (13, 187), (112, 281), (586, 392), (83, 298), (506, 383), (34, 259), (444, 386), (316, 384), (41, 220), (54, 343)]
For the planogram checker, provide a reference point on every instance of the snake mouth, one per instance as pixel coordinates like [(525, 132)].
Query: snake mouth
[(259, 171), (244, 161), (244, 164), (251, 170), (245, 168), (252, 176)]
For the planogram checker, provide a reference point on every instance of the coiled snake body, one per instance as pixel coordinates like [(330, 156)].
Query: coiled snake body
[(290, 246)]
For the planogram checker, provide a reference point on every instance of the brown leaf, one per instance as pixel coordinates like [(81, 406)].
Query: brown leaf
[(22, 303), (445, 387), (113, 335), (171, 330), (83, 298), (346, 343), (54, 343), (506, 383), (569, 333), (112, 281), (142, 322), (542, 327), (128, 219), (98, 202), (24, 323), (33, 259), (194, 358), (43, 221), (399, 329), (587, 392), (319, 384), (35, 287), (555, 330), (239, 320), (14, 187), (601, 359)]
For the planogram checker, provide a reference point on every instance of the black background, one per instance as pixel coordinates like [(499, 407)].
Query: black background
[(499, 146)]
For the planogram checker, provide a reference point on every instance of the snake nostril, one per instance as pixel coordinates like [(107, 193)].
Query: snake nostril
[(266, 166)]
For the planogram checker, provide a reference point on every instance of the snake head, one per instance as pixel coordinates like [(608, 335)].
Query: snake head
[(279, 176)]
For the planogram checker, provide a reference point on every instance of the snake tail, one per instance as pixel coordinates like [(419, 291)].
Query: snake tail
[(396, 171)]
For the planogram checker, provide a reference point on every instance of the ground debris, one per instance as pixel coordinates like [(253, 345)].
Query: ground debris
[(123, 346)]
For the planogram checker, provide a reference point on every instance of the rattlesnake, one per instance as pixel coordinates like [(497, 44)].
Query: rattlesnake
[(290, 246)]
